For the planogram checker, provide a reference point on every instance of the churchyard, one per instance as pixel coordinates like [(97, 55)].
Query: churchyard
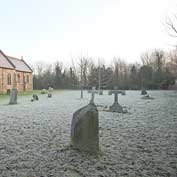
[(35, 136)]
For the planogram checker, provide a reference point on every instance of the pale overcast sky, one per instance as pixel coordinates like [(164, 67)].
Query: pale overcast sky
[(50, 30)]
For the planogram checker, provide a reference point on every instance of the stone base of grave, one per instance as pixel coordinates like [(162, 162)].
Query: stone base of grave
[(84, 129), (13, 96), (147, 97), (116, 107)]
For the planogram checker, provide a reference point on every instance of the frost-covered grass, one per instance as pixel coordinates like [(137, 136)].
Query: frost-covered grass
[(35, 137)]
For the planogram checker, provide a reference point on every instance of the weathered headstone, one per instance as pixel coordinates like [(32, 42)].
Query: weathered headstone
[(35, 98), (143, 91), (123, 92), (100, 92), (116, 107), (85, 127), (93, 92), (13, 95), (49, 95), (50, 89)]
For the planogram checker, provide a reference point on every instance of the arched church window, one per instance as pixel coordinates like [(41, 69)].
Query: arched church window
[(27, 78), (18, 78), (9, 79)]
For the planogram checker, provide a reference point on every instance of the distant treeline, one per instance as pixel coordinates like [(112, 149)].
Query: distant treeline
[(157, 70)]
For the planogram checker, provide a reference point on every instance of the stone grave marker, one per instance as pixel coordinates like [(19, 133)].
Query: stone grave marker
[(49, 95), (93, 92), (116, 107), (143, 91), (100, 92), (85, 128), (13, 95), (35, 98), (50, 89)]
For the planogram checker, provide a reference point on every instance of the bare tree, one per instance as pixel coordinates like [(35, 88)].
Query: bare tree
[(172, 62), (83, 66), (171, 25), (119, 68), (100, 74), (146, 58)]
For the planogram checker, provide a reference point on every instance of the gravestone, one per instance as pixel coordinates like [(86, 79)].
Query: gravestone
[(123, 92), (143, 91), (49, 95), (93, 92), (35, 98), (100, 92), (50, 89), (116, 107), (13, 96), (85, 128)]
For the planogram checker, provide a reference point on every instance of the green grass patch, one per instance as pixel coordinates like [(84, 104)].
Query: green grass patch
[(29, 93), (3, 97), (38, 92)]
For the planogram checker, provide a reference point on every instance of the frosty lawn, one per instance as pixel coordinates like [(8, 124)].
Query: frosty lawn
[(35, 137)]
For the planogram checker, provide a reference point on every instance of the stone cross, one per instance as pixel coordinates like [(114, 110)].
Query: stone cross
[(116, 92), (93, 91), (116, 107)]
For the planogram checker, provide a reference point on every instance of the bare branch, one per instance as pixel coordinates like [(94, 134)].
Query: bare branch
[(172, 29)]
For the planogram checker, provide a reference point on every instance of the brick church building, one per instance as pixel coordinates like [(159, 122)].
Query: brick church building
[(14, 72)]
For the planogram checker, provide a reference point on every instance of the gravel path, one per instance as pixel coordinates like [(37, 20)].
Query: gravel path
[(35, 137)]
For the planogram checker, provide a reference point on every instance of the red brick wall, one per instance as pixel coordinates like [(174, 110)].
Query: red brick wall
[(3, 79), (25, 84), (22, 85)]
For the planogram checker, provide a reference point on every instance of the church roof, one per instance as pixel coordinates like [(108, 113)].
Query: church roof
[(4, 63), (13, 63), (20, 64)]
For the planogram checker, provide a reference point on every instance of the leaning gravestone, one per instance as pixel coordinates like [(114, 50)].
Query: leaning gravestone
[(116, 107), (13, 96), (85, 129), (143, 91)]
